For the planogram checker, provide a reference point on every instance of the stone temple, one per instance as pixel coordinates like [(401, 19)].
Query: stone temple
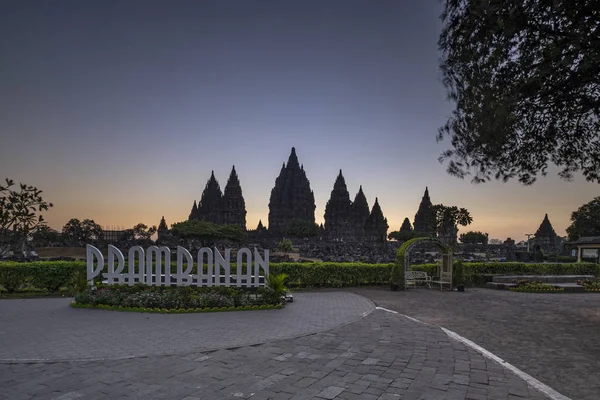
[(545, 237), (293, 200), (351, 221), (228, 208)]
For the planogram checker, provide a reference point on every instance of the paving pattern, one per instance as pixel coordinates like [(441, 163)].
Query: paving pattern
[(380, 357), (552, 337), (47, 329)]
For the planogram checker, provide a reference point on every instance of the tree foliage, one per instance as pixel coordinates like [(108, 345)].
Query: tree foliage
[(445, 219), (525, 77), (46, 236), (207, 233), (285, 245), (80, 233), (585, 221), (473, 237), (142, 232), (20, 214), (299, 228)]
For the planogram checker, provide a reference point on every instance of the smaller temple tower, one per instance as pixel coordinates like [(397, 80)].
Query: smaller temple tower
[(545, 237), (376, 226), (162, 230), (423, 216), (360, 214), (338, 212)]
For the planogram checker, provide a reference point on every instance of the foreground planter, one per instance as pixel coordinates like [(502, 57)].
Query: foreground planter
[(176, 311)]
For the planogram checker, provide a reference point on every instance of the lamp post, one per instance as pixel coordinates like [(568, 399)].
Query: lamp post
[(528, 236)]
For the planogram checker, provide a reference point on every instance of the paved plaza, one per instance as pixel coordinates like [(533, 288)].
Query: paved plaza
[(358, 353), (553, 337)]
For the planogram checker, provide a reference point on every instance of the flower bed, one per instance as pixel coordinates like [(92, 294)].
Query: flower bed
[(534, 287), (177, 311), (589, 285), (142, 298)]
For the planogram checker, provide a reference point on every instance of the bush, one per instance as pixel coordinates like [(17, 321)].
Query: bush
[(285, 246), (52, 275), (534, 287), (458, 274), (474, 272), (170, 298)]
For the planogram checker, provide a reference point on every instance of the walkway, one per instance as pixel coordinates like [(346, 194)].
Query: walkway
[(551, 336), (48, 329), (381, 356)]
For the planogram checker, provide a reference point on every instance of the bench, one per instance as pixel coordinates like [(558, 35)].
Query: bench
[(445, 278), (412, 277)]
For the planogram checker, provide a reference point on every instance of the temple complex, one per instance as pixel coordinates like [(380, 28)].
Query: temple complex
[(291, 198)]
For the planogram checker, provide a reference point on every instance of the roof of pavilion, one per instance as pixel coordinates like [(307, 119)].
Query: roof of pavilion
[(586, 240)]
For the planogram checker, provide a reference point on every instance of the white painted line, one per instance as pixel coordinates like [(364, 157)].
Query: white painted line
[(415, 320), (405, 316), (385, 309), (547, 390)]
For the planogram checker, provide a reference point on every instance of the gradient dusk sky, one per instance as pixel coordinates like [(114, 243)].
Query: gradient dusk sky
[(119, 110)]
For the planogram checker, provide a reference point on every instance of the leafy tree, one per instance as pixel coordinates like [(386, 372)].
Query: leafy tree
[(206, 232), (406, 235), (80, 233), (525, 78), (142, 233), (445, 219), (539, 255), (46, 236), (301, 228), (20, 214), (585, 221), (474, 237), (285, 246)]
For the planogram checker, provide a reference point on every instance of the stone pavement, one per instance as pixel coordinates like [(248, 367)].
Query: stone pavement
[(552, 337), (47, 329), (382, 356)]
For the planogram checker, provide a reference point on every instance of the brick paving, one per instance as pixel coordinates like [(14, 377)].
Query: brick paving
[(48, 329), (552, 337), (381, 356)]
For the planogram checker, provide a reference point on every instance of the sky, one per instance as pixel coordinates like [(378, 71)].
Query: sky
[(119, 110)]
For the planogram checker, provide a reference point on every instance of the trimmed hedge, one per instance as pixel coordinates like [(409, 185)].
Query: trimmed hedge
[(473, 273), (52, 275)]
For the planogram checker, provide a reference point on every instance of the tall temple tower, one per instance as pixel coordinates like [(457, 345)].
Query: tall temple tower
[(424, 214), (339, 221), (291, 198)]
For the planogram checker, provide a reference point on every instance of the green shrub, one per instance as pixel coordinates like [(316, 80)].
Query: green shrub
[(285, 245), (170, 298), (534, 287), (14, 276), (52, 275), (458, 273)]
